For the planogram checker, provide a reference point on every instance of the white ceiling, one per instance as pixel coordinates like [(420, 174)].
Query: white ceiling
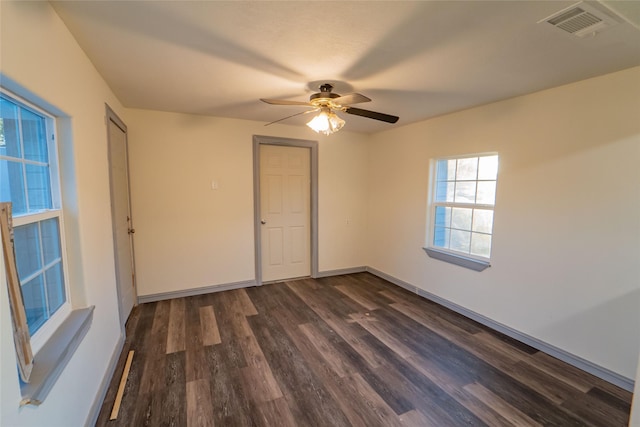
[(415, 60)]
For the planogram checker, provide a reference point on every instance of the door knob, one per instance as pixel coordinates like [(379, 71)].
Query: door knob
[(263, 222)]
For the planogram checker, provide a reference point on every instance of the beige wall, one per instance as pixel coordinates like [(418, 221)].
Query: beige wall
[(190, 236), (40, 58), (566, 250)]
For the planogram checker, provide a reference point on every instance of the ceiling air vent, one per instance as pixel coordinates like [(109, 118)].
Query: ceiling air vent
[(582, 19)]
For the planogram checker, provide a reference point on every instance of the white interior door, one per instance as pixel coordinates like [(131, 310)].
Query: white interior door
[(121, 216), (285, 207)]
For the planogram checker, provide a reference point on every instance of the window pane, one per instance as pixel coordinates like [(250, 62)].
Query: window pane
[(441, 237), (9, 142), (483, 220), (27, 247), (55, 288), (444, 191), (467, 169), (50, 240), (481, 245), (12, 186), (446, 170), (34, 137), (34, 305), (38, 189), (488, 167), (443, 216), (460, 240), (461, 218), (465, 192), (486, 193)]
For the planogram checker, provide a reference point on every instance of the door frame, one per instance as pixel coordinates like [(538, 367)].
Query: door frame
[(259, 140), (111, 116)]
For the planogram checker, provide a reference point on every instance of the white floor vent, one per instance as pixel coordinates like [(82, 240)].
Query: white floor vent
[(582, 19)]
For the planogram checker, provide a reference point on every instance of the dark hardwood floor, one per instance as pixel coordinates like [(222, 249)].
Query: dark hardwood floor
[(340, 351)]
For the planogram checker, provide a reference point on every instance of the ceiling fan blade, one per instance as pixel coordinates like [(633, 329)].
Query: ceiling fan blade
[(283, 102), (293, 115), (372, 114), (352, 98)]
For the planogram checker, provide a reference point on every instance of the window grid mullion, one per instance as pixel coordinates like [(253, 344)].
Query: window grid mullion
[(475, 195), (455, 188), (41, 270), (24, 161), (455, 173), (59, 259), (24, 167), (464, 205), (53, 164), (484, 233), (44, 275), (455, 185), (31, 276), (460, 229)]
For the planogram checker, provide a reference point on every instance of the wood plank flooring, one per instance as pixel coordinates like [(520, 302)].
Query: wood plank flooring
[(349, 350)]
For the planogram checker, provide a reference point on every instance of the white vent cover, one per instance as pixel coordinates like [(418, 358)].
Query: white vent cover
[(582, 19)]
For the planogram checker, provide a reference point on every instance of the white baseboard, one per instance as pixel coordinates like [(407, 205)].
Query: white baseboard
[(558, 353), (195, 291), (92, 418), (236, 285), (341, 271)]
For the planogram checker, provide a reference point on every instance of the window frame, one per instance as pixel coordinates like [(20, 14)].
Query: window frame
[(54, 355), (53, 323), (464, 259)]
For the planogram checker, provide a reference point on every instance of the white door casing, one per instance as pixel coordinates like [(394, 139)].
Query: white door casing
[(121, 215), (285, 212)]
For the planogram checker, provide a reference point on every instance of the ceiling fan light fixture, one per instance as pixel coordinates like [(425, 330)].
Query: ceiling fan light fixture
[(326, 103), (326, 122)]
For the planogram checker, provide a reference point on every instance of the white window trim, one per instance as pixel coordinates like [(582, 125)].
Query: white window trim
[(470, 261), (56, 341), (40, 337)]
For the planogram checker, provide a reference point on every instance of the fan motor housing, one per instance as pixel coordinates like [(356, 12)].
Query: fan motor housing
[(325, 95)]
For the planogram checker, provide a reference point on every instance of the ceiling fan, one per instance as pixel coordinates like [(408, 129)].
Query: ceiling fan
[(327, 103)]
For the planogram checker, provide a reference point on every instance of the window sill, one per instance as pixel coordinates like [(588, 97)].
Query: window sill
[(460, 260), (54, 355)]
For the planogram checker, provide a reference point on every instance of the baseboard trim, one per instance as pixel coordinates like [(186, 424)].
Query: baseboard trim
[(577, 361), (236, 285), (195, 291), (341, 271), (92, 418)]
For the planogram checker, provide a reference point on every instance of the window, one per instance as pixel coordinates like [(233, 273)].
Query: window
[(44, 323), (462, 202), (29, 180)]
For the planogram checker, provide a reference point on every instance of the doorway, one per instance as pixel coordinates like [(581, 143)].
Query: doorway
[(285, 208), (122, 221)]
